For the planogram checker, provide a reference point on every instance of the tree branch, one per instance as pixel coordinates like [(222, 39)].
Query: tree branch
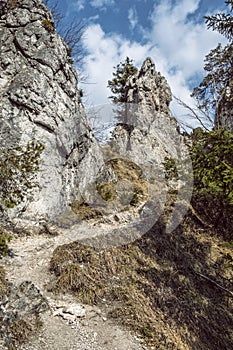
[(215, 283)]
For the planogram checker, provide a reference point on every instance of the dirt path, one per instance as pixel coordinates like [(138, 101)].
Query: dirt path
[(91, 330)]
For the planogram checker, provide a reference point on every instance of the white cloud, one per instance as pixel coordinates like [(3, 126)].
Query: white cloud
[(80, 4), (177, 45), (93, 18), (132, 17), (101, 3), (106, 51), (182, 41)]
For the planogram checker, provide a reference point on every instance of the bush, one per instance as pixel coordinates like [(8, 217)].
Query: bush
[(107, 191), (18, 169), (170, 169), (48, 25), (5, 238), (211, 154)]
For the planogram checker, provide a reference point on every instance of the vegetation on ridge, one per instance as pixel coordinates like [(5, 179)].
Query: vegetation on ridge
[(211, 154), (123, 71)]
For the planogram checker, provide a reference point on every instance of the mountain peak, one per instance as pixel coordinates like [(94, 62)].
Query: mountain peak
[(149, 89)]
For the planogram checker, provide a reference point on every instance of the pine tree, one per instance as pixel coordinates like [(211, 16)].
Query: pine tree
[(218, 65), (212, 93), (222, 22), (211, 154), (124, 70)]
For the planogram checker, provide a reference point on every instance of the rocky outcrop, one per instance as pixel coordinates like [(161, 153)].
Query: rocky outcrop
[(150, 137), (147, 133), (39, 101)]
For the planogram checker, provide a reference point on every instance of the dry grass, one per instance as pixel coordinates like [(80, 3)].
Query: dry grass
[(84, 211), (128, 190), (107, 191), (152, 286), (131, 188), (12, 4), (21, 330), (17, 330)]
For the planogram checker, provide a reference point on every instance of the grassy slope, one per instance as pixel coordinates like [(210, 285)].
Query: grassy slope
[(155, 285)]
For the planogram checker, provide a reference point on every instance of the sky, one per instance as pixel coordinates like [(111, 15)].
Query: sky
[(172, 32)]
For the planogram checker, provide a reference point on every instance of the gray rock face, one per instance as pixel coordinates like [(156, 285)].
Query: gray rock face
[(24, 303), (149, 89), (224, 113), (39, 101), (148, 132), (149, 135)]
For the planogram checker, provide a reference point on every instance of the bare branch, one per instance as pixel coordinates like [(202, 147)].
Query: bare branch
[(215, 283), (72, 32), (72, 35), (203, 119)]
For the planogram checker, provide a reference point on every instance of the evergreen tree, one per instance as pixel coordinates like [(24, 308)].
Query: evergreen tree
[(222, 22), (124, 70), (211, 154), (219, 68)]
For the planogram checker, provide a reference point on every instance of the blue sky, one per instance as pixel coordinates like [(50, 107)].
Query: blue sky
[(172, 32)]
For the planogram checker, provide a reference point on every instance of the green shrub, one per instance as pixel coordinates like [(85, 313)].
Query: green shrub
[(211, 154), (48, 25), (5, 238), (84, 211), (18, 169), (170, 169), (4, 249), (107, 191), (4, 287)]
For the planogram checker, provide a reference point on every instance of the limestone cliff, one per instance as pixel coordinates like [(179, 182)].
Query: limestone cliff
[(148, 133), (40, 101)]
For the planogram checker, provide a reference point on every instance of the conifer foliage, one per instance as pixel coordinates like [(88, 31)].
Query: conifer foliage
[(213, 163), (222, 22), (123, 71), (218, 65), (212, 160)]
